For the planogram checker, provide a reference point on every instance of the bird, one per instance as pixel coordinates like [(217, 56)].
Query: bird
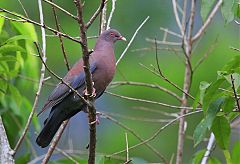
[(63, 102)]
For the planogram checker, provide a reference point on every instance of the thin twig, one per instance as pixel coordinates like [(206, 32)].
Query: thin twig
[(159, 48), (209, 149), (201, 60), (208, 21), (167, 80), (24, 10), (41, 25), (130, 42), (164, 42), (98, 11), (66, 155), (174, 4), (142, 119), (236, 49), (54, 142), (111, 13), (149, 101), (103, 19), (156, 133), (60, 38), (61, 9), (40, 81), (171, 32), (134, 134), (127, 152), (235, 93), (118, 83)]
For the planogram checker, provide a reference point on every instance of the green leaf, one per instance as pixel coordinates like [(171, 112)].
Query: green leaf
[(236, 79), (16, 38), (26, 29), (100, 159), (206, 122), (197, 157), (15, 95), (206, 7), (213, 160), (23, 158), (227, 156), (203, 87), (226, 10), (1, 23), (211, 93), (12, 123), (236, 9), (232, 65), (8, 58), (11, 48), (228, 104), (236, 153), (221, 130)]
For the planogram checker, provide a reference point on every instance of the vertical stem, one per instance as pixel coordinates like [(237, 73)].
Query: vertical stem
[(89, 84), (187, 83)]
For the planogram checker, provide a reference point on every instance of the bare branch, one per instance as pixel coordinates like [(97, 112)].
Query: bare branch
[(149, 101), (171, 32), (88, 81), (127, 153), (66, 155), (207, 22), (174, 4), (54, 142), (111, 13), (60, 38), (235, 93), (167, 80), (118, 83), (5, 149), (156, 133), (41, 25), (98, 11), (136, 135), (24, 10), (164, 42), (61, 9), (130, 42)]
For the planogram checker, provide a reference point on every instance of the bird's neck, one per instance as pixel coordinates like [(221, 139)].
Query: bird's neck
[(103, 45)]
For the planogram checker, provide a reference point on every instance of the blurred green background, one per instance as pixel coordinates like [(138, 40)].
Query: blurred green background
[(127, 17)]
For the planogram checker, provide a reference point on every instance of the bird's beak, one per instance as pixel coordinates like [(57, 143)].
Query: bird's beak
[(122, 38)]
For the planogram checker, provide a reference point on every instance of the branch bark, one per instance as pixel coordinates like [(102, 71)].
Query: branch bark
[(5, 150)]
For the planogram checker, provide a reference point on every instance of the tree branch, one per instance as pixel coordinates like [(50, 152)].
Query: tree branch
[(5, 150)]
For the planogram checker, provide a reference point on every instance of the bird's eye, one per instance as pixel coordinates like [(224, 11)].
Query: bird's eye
[(112, 34)]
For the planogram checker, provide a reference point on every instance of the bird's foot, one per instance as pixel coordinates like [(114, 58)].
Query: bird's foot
[(97, 121), (90, 95)]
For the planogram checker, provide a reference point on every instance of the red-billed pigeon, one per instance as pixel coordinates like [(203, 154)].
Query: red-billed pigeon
[(64, 103)]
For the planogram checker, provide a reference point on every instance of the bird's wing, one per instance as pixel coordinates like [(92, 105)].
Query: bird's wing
[(62, 90)]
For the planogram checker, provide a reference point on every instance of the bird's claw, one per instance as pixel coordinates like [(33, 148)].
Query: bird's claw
[(97, 121), (90, 95)]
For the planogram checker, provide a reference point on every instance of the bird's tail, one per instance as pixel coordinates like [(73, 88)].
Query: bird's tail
[(51, 125)]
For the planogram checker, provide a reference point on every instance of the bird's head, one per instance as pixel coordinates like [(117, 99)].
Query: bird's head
[(112, 35)]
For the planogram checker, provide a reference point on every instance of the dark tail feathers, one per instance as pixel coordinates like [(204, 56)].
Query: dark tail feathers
[(50, 128)]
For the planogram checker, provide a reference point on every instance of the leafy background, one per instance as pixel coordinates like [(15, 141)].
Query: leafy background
[(18, 94)]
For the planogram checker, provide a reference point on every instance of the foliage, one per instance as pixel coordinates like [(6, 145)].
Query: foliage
[(16, 58), (218, 106)]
